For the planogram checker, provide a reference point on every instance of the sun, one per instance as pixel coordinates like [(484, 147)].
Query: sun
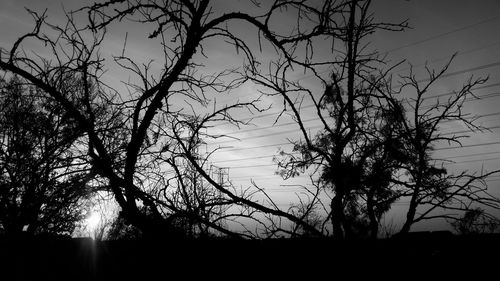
[(93, 221)]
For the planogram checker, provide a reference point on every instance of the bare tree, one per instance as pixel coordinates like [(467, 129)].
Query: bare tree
[(347, 154), (142, 142), (136, 146), (430, 187), (372, 151), (475, 221), (44, 178)]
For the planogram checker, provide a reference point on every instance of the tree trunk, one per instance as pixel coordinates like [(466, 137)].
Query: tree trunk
[(409, 219), (338, 216), (412, 210), (370, 206)]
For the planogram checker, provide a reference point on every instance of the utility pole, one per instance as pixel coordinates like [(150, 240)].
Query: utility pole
[(220, 173), (222, 176)]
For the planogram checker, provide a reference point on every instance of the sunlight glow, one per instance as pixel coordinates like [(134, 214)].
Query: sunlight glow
[(93, 221)]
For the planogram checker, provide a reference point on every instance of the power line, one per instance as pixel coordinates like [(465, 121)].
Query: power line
[(286, 190), (437, 149), (306, 177), (430, 39), (442, 34), (469, 131), (469, 51), (473, 154), (318, 119), (259, 176), (268, 156), (470, 99), (419, 81), (274, 113), (287, 143), (258, 146), (488, 115), (475, 89), (480, 97), (291, 123), (470, 145), (272, 126), (472, 161), (489, 65), (312, 105), (277, 176), (266, 135), (252, 166), (477, 117), (243, 159), (448, 164), (319, 126)]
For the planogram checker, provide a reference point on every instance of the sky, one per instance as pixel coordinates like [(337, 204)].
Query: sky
[(438, 30)]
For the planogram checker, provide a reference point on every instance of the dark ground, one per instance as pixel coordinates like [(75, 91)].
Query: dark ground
[(416, 255)]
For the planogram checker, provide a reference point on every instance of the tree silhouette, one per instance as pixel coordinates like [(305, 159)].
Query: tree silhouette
[(372, 151), (428, 184), (135, 148), (347, 156), (142, 142), (43, 181), (119, 229), (475, 221)]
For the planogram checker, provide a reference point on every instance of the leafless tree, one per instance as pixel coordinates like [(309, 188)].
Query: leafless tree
[(143, 142), (475, 221), (347, 154), (135, 148), (433, 191), (45, 180), (372, 151)]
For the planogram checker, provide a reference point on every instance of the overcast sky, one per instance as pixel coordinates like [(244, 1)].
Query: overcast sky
[(439, 29)]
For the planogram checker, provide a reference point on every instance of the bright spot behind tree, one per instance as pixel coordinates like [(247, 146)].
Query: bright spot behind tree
[(93, 221)]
